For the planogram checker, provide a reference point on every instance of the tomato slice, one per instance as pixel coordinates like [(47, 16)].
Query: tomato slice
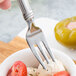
[(62, 73), (18, 69)]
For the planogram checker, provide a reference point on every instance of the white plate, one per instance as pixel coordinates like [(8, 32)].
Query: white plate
[(47, 25), (28, 58)]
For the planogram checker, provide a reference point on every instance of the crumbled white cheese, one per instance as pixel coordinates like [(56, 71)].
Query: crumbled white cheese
[(52, 68)]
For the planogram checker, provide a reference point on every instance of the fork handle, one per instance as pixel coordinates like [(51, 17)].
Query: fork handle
[(26, 9)]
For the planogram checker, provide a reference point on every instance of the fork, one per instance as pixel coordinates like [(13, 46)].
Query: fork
[(34, 34)]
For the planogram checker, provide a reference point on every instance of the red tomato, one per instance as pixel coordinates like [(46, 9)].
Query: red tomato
[(18, 69), (62, 73)]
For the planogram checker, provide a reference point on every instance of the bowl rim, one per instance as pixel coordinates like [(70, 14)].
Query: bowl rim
[(16, 53)]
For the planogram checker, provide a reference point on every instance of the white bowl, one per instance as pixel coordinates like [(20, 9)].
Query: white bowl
[(28, 58)]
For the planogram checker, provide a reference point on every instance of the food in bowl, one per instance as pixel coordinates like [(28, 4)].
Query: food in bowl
[(53, 69), (65, 32), (18, 69)]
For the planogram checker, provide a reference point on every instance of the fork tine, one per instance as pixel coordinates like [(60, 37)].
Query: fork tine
[(36, 54), (42, 52), (48, 49)]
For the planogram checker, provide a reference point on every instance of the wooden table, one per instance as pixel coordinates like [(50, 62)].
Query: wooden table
[(15, 45), (7, 49)]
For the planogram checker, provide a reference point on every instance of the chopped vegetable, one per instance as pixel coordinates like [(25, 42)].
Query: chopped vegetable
[(18, 69), (62, 73)]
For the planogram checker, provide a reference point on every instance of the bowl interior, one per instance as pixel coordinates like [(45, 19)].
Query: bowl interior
[(28, 58)]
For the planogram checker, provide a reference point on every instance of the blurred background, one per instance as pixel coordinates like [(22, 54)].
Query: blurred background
[(12, 22)]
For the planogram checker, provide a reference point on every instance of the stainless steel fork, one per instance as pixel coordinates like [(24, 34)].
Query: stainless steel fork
[(34, 34)]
